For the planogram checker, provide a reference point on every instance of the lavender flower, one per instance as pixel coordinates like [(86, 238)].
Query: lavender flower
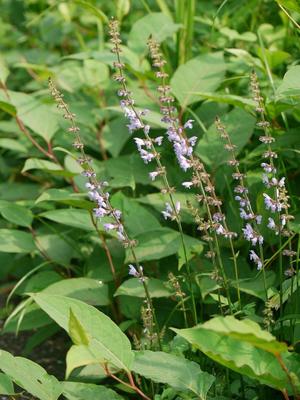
[(254, 257), (272, 205), (170, 213), (252, 236)]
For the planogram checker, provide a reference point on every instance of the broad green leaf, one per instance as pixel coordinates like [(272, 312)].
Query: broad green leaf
[(137, 218), (72, 217), (6, 385), (154, 245), (14, 241), (159, 25), (41, 117), (239, 126), (94, 71), (292, 5), (76, 331), (16, 214), (42, 120), (66, 197), (132, 287), (88, 391), (204, 74), (115, 135), (178, 372), (237, 101), (107, 342), (12, 144), (37, 163), (88, 290), (290, 85), (78, 356), (242, 346), (246, 331), (255, 285), (30, 376), (60, 248)]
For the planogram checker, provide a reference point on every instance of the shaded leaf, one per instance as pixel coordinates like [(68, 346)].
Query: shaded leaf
[(175, 371)]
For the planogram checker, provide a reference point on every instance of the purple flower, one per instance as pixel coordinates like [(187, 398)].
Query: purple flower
[(109, 227), (271, 224), (153, 175), (158, 140), (133, 271), (251, 235), (147, 156), (271, 204), (188, 124), (192, 140), (254, 257), (220, 230)]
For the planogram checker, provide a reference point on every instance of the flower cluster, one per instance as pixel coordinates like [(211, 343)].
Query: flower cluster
[(96, 188), (250, 231), (276, 200)]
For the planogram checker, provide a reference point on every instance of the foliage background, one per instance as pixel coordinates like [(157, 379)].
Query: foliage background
[(47, 234)]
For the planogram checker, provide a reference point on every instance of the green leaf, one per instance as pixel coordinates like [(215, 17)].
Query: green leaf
[(41, 117), (175, 371), (239, 126), (159, 25), (137, 218), (12, 144), (37, 163), (66, 197), (132, 287), (204, 73), (4, 71), (237, 101), (243, 347), (107, 342), (6, 385), (93, 10), (76, 331), (88, 391), (94, 71), (290, 85), (154, 245), (90, 291), (30, 376), (8, 108), (72, 217), (292, 5), (16, 214), (14, 241)]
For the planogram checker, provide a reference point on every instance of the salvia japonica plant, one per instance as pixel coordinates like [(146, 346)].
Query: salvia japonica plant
[(182, 278)]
